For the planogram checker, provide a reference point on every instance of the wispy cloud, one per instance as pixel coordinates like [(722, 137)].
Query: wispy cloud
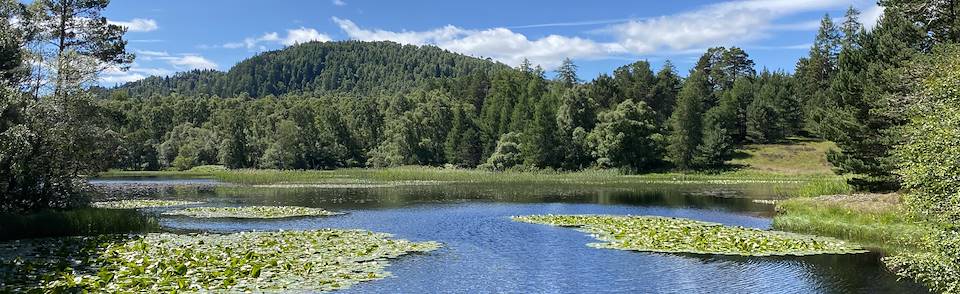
[(174, 63), (501, 44), (742, 22), (137, 25), (573, 23), (294, 36), (339, 3)]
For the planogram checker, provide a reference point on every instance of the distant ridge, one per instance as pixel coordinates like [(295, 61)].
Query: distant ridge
[(355, 67)]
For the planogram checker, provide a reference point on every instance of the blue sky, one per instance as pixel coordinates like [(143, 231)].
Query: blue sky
[(177, 35)]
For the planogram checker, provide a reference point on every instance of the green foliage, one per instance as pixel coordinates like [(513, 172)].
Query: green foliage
[(938, 18), (507, 154), (658, 234), (542, 136), (627, 137), (187, 146), (868, 115), (322, 260), (930, 169), (685, 124)]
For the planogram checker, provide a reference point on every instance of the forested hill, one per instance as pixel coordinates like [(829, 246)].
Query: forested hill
[(325, 67)]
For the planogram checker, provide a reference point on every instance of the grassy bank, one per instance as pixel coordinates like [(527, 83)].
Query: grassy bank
[(874, 220), (794, 162)]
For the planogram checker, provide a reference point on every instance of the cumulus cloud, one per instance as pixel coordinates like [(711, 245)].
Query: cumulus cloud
[(498, 43), (137, 25), (303, 35), (136, 72), (191, 62), (717, 24), (115, 76), (726, 23), (294, 36)]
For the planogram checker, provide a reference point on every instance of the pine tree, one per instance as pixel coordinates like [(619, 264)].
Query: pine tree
[(685, 123), (540, 137), (567, 73)]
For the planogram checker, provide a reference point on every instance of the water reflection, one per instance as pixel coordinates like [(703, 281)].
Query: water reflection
[(484, 251)]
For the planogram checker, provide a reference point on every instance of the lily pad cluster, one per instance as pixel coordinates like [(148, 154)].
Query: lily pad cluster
[(673, 235), (320, 260), (136, 204), (250, 212)]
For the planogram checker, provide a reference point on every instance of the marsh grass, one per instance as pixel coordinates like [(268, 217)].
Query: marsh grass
[(74, 222), (673, 235), (815, 187), (875, 220), (421, 175)]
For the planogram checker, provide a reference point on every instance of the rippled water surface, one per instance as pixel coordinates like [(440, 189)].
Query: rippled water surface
[(484, 251)]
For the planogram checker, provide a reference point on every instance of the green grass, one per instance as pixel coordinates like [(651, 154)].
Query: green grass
[(879, 221), (797, 156), (795, 162)]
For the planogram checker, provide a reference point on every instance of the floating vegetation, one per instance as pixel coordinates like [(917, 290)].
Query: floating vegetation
[(250, 212), (321, 260), (135, 204), (659, 234)]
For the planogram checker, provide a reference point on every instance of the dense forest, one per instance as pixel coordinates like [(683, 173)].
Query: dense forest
[(344, 104), (887, 96)]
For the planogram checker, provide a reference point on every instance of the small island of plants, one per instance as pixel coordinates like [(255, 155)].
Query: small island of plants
[(672, 235), (320, 260), (263, 212)]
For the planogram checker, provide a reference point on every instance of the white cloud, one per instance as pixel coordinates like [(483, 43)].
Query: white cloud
[(303, 35), (871, 15), (726, 23), (114, 76), (339, 3), (294, 36), (137, 25), (191, 62), (498, 43), (717, 24)]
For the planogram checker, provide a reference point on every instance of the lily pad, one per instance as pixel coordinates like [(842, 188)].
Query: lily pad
[(673, 235), (285, 261), (135, 204), (250, 212)]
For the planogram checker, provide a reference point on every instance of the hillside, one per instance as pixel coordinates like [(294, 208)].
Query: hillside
[(325, 67)]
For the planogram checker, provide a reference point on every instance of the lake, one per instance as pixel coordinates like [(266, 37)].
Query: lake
[(485, 252)]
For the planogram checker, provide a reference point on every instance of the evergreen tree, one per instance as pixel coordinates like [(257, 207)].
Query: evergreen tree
[(685, 123), (567, 73), (665, 93), (939, 18), (627, 137), (541, 136)]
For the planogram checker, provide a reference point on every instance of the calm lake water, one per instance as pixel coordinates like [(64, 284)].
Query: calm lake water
[(485, 252)]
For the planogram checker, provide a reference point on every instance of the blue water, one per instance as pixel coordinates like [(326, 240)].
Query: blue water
[(485, 252)]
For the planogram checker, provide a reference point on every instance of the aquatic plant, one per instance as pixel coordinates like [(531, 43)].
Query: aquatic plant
[(282, 261), (135, 204), (673, 235), (250, 212)]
